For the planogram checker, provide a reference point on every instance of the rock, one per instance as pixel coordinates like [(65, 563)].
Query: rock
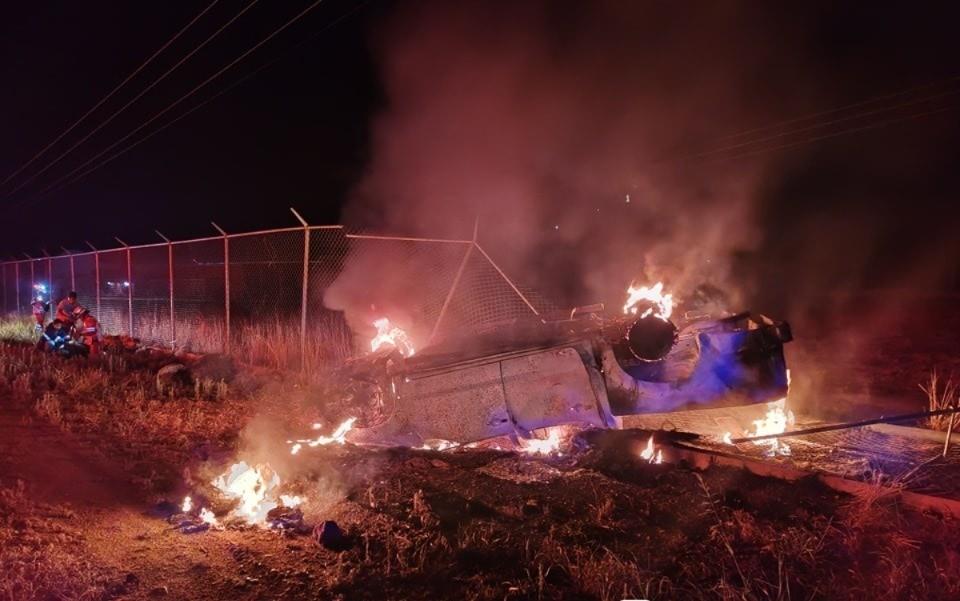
[(215, 368), (173, 375), (330, 536), (159, 591)]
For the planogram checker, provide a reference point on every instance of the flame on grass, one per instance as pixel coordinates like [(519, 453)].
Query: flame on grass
[(206, 516), (339, 436), (651, 453), (660, 304), (543, 446), (255, 489)]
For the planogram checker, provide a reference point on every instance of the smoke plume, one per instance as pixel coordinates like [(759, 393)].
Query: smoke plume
[(565, 128)]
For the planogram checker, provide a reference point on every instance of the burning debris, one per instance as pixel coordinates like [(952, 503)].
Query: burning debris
[(650, 453), (585, 371), (660, 305), (391, 336), (255, 490), (339, 436)]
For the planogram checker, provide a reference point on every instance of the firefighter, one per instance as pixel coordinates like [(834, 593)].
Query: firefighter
[(87, 330), (66, 307), (39, 309), (55, 337)]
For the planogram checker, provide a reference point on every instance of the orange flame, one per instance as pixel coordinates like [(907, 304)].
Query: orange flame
[(661, 304), (388, 334), (543, 446), (339, 436), (651, 453)]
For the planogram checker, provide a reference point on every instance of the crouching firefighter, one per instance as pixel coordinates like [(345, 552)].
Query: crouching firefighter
[(87, 330), (55, 338)]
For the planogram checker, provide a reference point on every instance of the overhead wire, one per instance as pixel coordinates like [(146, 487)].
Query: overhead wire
[(153, 84), (868, 101), (840, 133), (110, 94), (814, 126), (177, 102), (195, 108)]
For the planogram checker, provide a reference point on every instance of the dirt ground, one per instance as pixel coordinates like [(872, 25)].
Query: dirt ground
[(88, 450)]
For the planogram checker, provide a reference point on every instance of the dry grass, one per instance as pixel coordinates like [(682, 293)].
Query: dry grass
[(940, 395), (42, 554), (17, 329), (271, 343), (118, 399)]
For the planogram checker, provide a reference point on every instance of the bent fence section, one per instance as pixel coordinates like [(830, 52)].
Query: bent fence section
[(289, 297)]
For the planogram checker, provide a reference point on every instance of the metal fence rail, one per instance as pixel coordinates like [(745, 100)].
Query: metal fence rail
[(276, 296)]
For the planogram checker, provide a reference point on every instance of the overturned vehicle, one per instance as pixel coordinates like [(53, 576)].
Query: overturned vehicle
[(586, 370)]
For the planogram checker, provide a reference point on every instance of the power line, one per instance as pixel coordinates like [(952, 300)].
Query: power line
[(187, 95), (235, 84), (111, 93), (875, 99), (135, 98), (840, 133), (815, 126)]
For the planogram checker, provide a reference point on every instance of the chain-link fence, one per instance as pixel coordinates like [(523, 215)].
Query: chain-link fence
[(292, 297)]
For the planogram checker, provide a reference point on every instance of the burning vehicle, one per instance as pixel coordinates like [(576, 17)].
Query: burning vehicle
[(588, 369)]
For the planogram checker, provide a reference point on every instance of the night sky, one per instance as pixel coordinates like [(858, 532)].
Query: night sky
[(867, 208)]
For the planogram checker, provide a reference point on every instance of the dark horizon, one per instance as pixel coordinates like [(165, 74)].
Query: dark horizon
[(316, 130)]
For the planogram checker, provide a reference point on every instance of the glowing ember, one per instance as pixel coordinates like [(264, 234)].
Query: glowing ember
[(651, 453), (339, 436), (388, 334), (187, 505), (252, 487), (776, 421), (438, 444), (661, 305), (207, 517), (290, 500), (542, 446)]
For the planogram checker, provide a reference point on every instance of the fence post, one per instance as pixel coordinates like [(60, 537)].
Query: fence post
[(96, 273), (32, 280), (17, 276), (73, 278), (49, 274), (226, 286), (173, 321), (129, 283), (303, 290)]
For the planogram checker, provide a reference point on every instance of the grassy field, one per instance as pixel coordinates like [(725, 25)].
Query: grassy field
[(597, 523)]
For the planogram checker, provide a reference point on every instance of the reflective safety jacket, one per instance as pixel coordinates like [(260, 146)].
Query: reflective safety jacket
[(88, 328), (65, 311), (39, 309)]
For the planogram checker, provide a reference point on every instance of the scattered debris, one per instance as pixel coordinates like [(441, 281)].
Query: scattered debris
[(521, 470), (287, 519), (330, 536), (173, 376)]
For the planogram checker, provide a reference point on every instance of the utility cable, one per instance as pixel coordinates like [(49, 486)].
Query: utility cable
[(229, 65), (235, 84), (135, 98), (111, 93)]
